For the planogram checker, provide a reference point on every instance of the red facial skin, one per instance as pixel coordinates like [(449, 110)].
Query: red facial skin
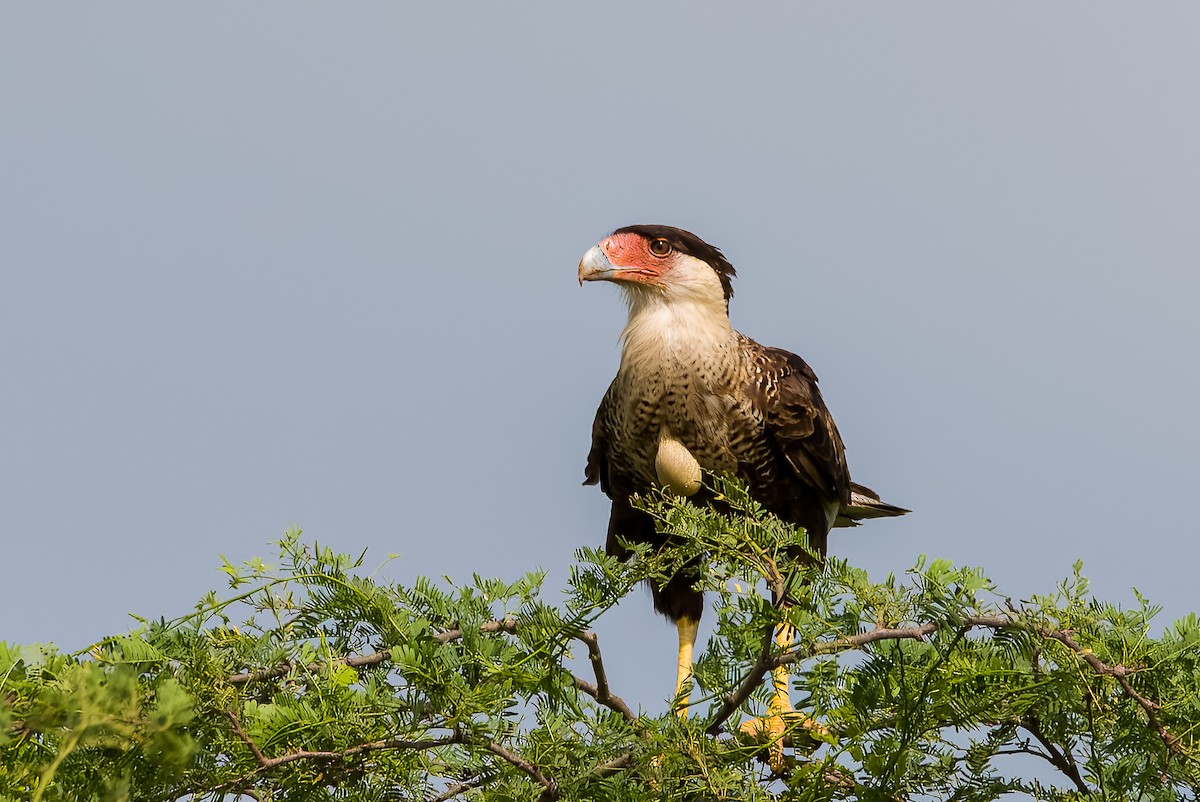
[(630, 254)]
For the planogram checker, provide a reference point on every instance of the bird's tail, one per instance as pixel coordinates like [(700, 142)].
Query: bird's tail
[(865, 503)]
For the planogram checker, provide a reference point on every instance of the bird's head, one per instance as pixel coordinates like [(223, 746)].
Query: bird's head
[(660, 262)]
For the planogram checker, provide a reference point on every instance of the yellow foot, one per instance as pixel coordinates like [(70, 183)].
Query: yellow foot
[(780, 726), (782, 722)]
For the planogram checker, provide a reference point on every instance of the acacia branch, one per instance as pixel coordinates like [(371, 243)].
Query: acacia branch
[(601, 691), (1120, 673), (891, 633), (550, 790), (364, 660), (265, 763), (619, 763), (766, 662), (462, 787), (775, 581), (549, 787), (1064, 762), (508, 625), (246, 739), (752, 680), (373, 746)]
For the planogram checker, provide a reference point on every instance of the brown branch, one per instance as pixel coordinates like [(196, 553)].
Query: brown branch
[(601, 691), (765, 663), (549, 787), (487, 627), (267, 763), (613, 766), (339, 754), (246, 739), (462, 787), (775, 580), (550, 790), (1064, 762), (281, 670), (364, 660), (752, 680), (373, 746), (1120, 673), (891, 633)]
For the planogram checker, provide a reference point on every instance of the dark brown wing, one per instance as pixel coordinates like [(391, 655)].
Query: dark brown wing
[(783, 388), (596, 471)]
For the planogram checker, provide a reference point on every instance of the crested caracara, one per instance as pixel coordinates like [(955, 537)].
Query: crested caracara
[(693, 394)]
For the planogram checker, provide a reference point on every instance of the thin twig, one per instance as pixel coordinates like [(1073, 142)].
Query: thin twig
[(892, 633), (620, 763), (373, 746), (1121, 674), (601, 691), (361, 661), (755, 676), (462, 787), (487, 627), (753, 679), (549, 787), (267, 763), (246, 739), (1063, 762)]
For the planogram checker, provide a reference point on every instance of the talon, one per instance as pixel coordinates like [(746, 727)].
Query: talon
[(770, 729)]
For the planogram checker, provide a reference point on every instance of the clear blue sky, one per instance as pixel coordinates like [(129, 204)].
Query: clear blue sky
[(299, 264)]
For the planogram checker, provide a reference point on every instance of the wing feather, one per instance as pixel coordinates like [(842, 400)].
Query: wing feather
[(795, 418), (596, 471)]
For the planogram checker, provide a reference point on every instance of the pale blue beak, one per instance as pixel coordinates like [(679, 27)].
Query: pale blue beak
[(594, 266)]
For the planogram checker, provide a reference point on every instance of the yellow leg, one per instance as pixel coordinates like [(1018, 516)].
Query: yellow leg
[(687, 645), (781, 678), (774, 725)]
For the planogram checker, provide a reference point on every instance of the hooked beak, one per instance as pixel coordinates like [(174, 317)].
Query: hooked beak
[(594, 266)]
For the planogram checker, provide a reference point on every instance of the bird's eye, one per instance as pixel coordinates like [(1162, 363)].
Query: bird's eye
[(660, 247)]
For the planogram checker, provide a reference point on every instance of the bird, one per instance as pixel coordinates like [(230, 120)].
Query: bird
[(693, 395)]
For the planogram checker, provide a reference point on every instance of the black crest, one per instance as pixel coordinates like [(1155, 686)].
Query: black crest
[(689, 243)]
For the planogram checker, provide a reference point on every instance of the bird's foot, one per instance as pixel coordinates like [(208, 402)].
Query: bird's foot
[(782, 725)]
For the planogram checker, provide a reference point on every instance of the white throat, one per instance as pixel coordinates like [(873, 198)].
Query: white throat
[(665, 331)]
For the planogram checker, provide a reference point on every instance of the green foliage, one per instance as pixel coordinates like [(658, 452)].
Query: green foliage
[(315, 680)]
